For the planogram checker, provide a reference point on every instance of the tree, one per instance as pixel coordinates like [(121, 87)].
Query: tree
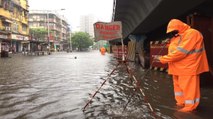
[(39, 33), (81, 40)]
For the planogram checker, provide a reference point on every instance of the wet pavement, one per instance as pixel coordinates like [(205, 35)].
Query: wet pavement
[(58, 86)]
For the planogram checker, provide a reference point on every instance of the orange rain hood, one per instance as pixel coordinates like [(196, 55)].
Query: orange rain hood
[(176, 24)]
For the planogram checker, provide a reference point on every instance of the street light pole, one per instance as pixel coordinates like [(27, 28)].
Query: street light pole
[(61, 31), (62, 26), (48, 28), (70, 41), (48, 33)]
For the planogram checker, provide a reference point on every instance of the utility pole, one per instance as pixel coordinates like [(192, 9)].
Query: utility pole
[(62, 29), (70, 41), (48, 33), (48, 28)]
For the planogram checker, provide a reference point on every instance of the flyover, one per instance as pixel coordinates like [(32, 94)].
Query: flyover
[(150, 18), (145, 16)]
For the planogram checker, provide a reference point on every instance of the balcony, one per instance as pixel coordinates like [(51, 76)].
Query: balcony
[(38, 20), (6, 29), (52, 20), (52, 28)]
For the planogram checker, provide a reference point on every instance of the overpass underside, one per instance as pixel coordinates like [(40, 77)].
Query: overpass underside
[(150, 18), (145, 16)]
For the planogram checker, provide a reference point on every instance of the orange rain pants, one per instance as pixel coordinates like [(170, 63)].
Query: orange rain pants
[(186, 59), (187, 91)]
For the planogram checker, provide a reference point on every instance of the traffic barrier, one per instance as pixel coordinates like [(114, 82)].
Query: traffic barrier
[(160, 69), (155, 47), (117, 51)]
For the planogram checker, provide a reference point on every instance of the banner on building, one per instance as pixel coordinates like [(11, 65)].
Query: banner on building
[(107, 31)]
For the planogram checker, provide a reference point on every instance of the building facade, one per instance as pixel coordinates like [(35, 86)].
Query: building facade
[(86, 24), (14, 30), (56, 26)]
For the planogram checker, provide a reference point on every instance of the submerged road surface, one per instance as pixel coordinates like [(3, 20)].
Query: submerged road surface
[(58, 86)]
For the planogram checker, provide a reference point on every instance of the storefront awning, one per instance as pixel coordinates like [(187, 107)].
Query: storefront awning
[(25, 42), (9, 21)]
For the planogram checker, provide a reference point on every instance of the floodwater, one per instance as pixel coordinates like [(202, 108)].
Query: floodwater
[(58, 86)]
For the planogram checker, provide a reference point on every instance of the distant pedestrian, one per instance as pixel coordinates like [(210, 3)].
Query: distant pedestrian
[(13, 49), (103, 50), (23, 50)]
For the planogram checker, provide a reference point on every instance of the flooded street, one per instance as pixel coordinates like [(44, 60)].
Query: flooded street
[(58, 86)]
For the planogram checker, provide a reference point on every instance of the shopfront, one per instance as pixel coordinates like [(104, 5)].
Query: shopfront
[(4, 42), (17, 40)]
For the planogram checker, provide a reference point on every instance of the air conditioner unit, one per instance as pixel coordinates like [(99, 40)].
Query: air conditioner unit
[(7, 28)]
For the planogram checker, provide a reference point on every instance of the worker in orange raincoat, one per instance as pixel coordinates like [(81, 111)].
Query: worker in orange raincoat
[(103, 50), (186, 59)]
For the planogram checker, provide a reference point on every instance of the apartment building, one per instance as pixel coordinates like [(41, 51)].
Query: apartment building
[(14, 31), (86, 24), (56, 25)]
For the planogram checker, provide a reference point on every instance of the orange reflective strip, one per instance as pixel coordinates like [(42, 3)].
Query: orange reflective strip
[(190, 52), (186, 51), (178, 93), (192, 101)]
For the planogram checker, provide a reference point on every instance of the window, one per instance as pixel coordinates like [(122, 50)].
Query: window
[(24, 27), (15, 27), (5, 4)]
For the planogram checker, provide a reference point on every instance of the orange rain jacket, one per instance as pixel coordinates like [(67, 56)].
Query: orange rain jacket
[(186, 53)]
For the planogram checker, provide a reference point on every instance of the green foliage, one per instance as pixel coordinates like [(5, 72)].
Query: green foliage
[(39, 33), (81, 40), (101, 43)]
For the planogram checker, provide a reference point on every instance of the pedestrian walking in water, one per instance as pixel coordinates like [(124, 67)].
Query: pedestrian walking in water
[(186, 59), (102, 50)]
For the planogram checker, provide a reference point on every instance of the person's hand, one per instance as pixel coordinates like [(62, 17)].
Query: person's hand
[(156, 58)]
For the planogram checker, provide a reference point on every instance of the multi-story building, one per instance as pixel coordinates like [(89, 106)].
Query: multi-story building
[(86, 24), (56, 25), (14, 29)]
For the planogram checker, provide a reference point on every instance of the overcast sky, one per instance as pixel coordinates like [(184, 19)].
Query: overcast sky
[(101, 9)]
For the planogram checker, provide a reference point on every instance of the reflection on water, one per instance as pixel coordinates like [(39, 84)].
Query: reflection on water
[(58, 86)]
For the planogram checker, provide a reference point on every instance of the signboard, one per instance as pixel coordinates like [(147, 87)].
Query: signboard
[(19, 37), (107, 31), (2, 36)]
